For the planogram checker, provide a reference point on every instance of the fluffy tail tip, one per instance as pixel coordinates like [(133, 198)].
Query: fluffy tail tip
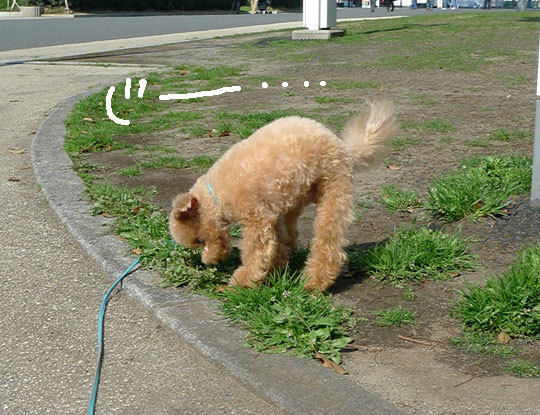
[(369, 134)]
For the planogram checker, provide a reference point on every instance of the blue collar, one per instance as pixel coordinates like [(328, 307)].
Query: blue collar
[(212, 193)]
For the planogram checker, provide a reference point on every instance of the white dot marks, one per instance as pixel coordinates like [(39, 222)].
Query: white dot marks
[(286, 84)]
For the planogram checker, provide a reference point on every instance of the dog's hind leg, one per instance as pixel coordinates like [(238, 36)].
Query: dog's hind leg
[(259, 249), (287, 234), (334, 213)]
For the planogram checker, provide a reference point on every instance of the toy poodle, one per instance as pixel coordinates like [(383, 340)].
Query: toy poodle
[(264, 182)]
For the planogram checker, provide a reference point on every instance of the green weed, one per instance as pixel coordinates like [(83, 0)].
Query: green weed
[(158, 148), (481, 343), (511, 135), (481, 187), (408, 293), (447, 139), (479, 142), (422, 99), (412, 255), (145, 228), (433, 124), (201, 73), (235, 230), (131, 171), (524, 369), (509, 303), (345, 85), (399, 200), (326, 99), (175, 162), (245, 124), (399, 143), (395, 317), (282, 317), (194, 130)]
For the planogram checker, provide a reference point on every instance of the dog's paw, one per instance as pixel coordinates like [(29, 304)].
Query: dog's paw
[(313, 286), (243, 278)]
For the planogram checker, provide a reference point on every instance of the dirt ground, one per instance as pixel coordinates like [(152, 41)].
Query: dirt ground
[(431, 378)]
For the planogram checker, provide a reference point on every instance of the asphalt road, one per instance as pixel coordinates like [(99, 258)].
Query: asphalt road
[(18, 33), (29, 33)]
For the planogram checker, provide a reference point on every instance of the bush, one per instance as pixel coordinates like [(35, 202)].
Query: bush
[(47, 3), (293, 4), (139, 5)]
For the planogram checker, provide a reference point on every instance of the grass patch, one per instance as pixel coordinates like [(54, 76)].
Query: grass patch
[(422, 99), (131, 171), (194, 131), (479, 142), (481, 187), (395, 317), (245, 124), (358, 208), (399, 143), (201, 73), (448, 43), (524, 369), (235, 230), (175, 162), (408, 293), (432, 125), (412, 255), (511, 135), (145, 228), (326, 99), (481, 344), (158, 148), (509, 303), (90, 129), (399, 200), (447, 139), (512, 80), (282, 317), (344, 85)]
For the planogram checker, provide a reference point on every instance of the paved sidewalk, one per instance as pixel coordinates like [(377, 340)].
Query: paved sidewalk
[(51, 291)]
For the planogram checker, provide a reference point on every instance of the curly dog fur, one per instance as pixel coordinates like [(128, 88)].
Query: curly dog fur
[(264, 182)]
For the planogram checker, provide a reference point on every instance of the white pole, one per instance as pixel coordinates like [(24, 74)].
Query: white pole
[(535, 185)]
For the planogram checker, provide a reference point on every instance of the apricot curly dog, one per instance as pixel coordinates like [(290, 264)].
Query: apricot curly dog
[(265, 181)]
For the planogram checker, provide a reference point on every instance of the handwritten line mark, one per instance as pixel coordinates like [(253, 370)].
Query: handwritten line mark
[(142, 86), (200, 94), (110, 113)]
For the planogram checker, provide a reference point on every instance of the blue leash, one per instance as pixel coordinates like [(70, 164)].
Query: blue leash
[(100, 335)]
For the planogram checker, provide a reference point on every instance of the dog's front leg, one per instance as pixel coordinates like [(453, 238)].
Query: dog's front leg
[(259, 248)]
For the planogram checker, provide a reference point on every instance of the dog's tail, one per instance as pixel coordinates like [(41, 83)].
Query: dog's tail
[(368, 135)]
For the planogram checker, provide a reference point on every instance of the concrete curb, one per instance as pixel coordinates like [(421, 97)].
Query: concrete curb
[(296, 386)]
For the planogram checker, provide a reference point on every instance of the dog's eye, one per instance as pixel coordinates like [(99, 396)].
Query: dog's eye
[(199, 241)]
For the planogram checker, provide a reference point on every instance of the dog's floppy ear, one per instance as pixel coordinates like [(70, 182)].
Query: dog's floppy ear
[(188, 211)]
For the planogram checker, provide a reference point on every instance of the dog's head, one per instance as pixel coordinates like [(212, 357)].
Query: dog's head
[(190, 227)]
